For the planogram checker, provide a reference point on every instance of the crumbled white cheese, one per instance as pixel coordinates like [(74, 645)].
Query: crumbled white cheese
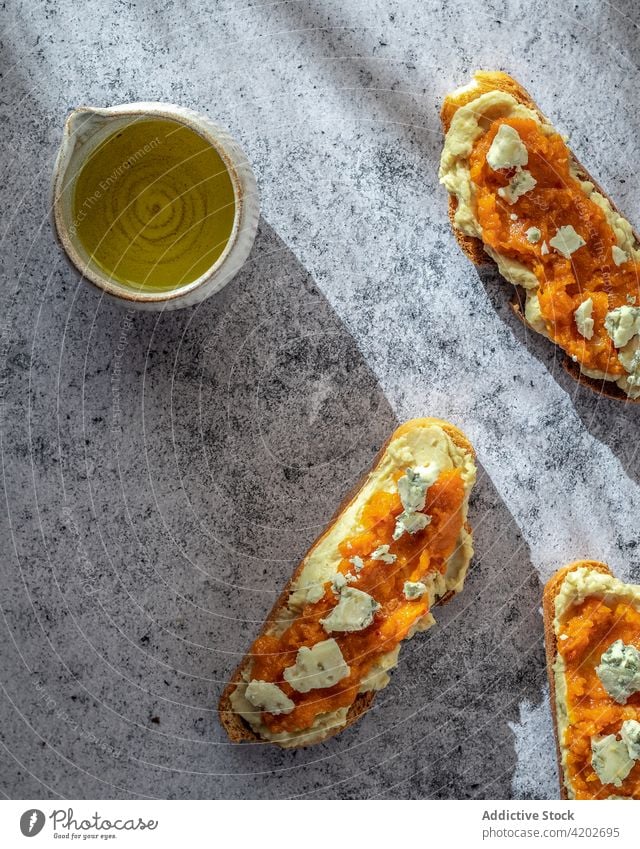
[(521, 183), (320, 666), (382, 553), (544, 249), (630, 360), (584, 322), (411, 523), (610, 759), (354, 612), (613, 759), (619, 671), (507, 149), (412, 489), (268, 697), (622, 324), (567, 241), (414, 589), (619, 256), (338, 582), (357, 562), (533, 235), (513, 216), (630, 733), (413, 486)]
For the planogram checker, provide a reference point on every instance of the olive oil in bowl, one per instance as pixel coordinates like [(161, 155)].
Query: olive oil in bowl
[(154, 205)]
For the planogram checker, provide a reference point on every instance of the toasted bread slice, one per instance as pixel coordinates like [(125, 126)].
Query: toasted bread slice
[(486, 81), (237, 727), (551, 590)]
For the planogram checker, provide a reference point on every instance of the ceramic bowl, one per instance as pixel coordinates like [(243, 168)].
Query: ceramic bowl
[(88, 127)]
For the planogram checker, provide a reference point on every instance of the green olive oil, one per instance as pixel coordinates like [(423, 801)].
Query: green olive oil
[(154, 205)]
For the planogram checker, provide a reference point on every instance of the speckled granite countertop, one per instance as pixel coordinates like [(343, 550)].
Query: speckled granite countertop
[(163, 473)]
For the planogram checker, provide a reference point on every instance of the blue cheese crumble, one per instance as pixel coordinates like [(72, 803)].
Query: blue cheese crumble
[(269, 697), (357, 563), (619, 671), (567, 241), (354, 612), (317, 667), (507, 149), (630, 733), (382, 553), (583, 319), (533, 235), (521, 183), (414, 589), (412, 488), (610, 759), (622, 324)]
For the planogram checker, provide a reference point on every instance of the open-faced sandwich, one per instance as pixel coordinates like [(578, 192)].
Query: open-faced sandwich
[(394, 549), (519, 196), (592, 635)]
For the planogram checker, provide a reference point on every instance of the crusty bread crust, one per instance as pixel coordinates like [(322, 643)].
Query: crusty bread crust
[(235, 726), (551, 590), (473, 248)]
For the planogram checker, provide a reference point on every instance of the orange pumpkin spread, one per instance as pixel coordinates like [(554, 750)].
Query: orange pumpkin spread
[(592, 627), (418, 556), (557, 200)]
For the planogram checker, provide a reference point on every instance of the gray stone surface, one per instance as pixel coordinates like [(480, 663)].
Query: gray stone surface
[(162, 474)]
